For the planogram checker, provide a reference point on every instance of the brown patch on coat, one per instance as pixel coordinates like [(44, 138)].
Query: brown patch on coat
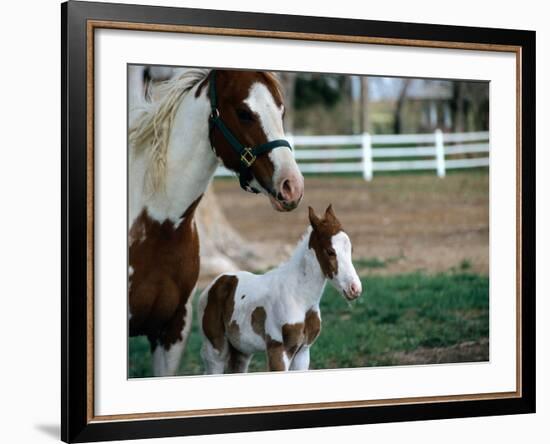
[(232, 89), (219, 310), (320, 240), (165, 260), (275, 355), (233, 329), (257, 320), (312, 326), (293, 338)]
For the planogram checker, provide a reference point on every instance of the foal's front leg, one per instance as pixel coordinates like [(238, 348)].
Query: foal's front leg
[(237, 361), (301, 359), (277, 359)]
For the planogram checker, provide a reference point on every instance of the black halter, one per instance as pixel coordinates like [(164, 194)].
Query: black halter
[(247, 155)]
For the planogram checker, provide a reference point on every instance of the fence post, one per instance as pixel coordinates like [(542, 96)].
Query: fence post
[(366, 144), (439, 153)]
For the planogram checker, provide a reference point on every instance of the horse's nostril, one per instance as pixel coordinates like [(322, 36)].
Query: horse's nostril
[(290, 189), (286, 188)]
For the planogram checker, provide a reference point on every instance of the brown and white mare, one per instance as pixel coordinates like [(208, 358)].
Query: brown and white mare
[(173, 156)]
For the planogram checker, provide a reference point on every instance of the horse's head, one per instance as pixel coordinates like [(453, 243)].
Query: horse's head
[(250, 105), (332, 247)]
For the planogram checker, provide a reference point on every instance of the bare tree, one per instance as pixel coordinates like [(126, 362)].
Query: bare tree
[(398, 112), (288, 82), (457, 106), (365, 104)]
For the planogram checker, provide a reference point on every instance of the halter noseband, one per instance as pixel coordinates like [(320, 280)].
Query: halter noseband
[(247, 155)]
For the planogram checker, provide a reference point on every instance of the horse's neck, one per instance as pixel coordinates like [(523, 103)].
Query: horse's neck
[(190, 165), (303, 272)]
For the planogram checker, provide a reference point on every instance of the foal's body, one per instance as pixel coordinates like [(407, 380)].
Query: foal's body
[(278, 312)]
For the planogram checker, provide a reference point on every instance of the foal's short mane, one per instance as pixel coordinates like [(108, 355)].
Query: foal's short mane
[(151, 127), (299, 249)]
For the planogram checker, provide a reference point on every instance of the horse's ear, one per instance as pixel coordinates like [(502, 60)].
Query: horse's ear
[(313, 218), (329, 212)]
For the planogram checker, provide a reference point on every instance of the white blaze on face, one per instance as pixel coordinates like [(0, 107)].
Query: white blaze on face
[(261, 102), (346, 278)]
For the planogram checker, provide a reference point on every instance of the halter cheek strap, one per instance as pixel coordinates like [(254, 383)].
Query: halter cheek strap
[(247, 155)]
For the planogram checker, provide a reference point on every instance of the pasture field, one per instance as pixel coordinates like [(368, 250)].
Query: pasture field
[(412, 318), (421, 247)]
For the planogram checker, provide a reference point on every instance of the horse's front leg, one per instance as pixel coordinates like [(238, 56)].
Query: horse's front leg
[(277, 358), (166, 358), (301, 359), (168, 350)]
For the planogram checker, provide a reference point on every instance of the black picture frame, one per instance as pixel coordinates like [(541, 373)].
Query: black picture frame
[(76, 423)]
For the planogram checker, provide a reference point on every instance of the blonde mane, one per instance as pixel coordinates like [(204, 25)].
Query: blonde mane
[(150, 128)]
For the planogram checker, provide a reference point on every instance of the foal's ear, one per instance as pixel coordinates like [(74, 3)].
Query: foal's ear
[(313, 219), (329, 213)]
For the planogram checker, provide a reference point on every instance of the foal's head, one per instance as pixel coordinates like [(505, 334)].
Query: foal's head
[(250, 103), (332, 247)]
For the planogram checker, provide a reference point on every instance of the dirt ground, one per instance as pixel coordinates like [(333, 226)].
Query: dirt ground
[(472, 351), (397, 223)]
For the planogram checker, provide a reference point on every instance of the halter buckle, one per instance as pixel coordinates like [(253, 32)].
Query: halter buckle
[(214, 114), (247, 157)]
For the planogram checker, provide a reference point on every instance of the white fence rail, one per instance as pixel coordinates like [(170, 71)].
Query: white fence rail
[(366, 154)]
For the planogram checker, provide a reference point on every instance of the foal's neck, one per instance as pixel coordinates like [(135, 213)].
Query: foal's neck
[(304, 271)]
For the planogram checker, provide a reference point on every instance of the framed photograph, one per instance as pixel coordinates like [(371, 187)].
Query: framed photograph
[(276, 221)]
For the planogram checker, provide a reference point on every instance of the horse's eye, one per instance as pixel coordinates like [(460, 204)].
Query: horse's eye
[(245, 115), (331, 252)]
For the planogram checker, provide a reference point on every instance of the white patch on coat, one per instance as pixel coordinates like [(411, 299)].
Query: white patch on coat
[(260, 101), (346, 274)]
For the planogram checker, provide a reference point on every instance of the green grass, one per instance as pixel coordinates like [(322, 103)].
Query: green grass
[(395, 314), (371, 262), (375, 262)]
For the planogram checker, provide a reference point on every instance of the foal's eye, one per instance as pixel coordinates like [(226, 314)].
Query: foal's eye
[(244, 115), (331, 252)]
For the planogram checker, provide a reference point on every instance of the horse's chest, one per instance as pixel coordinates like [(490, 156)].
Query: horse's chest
[(296, 335), (164, 248), (164, 261)]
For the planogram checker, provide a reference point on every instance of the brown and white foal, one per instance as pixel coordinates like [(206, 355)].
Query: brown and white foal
[(277, 312)]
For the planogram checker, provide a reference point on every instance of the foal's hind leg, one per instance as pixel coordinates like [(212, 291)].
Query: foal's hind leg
[(213, 359)]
